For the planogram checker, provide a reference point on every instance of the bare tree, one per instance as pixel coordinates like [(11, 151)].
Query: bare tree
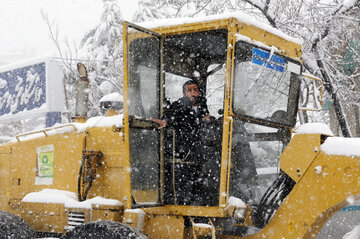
[(100, 50), (313, 57)]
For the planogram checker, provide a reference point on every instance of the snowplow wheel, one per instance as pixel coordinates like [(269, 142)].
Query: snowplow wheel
[(12, 226), (103, 230)]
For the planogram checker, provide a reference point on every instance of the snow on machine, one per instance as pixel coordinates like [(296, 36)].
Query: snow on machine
[(115, 176)]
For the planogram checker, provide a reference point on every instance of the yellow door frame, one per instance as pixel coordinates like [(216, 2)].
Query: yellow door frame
[(126, 25)]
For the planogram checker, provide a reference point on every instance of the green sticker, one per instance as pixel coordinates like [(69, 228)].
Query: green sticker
[(45, 155), (47, 164)]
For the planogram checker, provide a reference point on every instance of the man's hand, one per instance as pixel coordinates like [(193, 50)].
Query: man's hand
[(162, 123)]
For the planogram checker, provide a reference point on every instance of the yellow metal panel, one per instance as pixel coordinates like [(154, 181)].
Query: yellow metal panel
[(4, 177), (15, 206), (164, 226), (45, 217), (107, 141), (145, 195), (301, 214), (109, 184), (107, 215), (67, 158), (112, 173), (299, 154), (135, 219)]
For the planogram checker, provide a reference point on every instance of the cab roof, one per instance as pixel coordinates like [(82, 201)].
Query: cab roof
[(241, 17), (247, 27)]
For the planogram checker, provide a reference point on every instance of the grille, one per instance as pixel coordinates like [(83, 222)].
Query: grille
[(74, 219)]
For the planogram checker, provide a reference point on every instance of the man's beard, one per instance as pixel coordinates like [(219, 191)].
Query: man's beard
[(194, 100), (188, 102)]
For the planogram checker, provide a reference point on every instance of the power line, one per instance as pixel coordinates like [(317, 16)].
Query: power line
[(78, 59)]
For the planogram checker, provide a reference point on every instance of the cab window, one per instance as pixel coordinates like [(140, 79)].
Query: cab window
[(264, 89)]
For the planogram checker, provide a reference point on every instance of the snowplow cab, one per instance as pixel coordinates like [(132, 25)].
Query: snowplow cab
[(250, 78)]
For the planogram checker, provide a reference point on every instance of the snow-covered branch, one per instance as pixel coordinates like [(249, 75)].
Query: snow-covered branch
[(264, 8), (341, 10), (344, 8)]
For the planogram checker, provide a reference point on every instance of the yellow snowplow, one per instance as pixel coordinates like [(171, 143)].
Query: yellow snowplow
[(116, 176)]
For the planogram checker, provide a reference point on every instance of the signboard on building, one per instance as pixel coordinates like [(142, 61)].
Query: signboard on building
[(31, 89)]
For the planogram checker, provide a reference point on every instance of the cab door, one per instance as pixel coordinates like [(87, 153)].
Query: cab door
[(142, 101)]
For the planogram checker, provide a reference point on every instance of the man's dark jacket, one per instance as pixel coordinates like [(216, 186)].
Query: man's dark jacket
[(187, 123)]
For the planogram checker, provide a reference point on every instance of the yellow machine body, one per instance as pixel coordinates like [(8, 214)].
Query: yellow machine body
[(314, 198)]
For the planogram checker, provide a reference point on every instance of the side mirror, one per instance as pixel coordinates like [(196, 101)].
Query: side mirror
[(311, 93)]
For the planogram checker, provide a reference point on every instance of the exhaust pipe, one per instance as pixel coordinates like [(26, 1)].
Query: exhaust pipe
[(82, 95)]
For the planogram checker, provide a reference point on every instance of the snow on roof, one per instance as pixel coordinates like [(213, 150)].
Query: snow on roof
[(341, 146), (27, 62), (112, 97), (314, 128), (69, 199), (241, 17)]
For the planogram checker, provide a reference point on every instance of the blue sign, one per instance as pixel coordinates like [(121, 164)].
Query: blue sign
[(261, 57), (22, 89)]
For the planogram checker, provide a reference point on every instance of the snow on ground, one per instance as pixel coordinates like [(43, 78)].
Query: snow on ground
[(354, 234)]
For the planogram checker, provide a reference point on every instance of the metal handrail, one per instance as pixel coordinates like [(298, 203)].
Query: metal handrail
[(44, 131)]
